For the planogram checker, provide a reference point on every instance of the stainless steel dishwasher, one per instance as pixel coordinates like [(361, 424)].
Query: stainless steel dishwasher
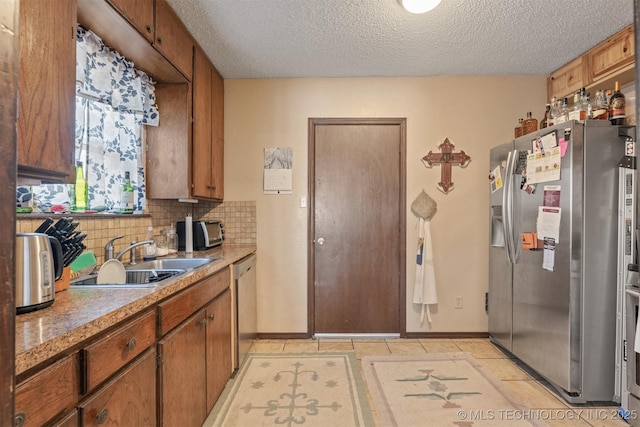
[(244, 273)]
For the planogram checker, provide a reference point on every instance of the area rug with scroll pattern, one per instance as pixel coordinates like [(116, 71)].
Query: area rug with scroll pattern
[(445, 389), (292, 389)]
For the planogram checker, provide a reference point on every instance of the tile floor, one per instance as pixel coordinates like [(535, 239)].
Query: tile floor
[(533, 393)]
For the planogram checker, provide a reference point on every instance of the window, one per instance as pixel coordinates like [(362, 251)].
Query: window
[(113, 103)]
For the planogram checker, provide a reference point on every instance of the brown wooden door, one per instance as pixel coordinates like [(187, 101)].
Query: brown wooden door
[(129, 399), (357, 223), (202, 130), (182, 374), (218, 346), (46, 89)]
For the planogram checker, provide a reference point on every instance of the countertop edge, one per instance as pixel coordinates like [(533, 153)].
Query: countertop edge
[(81, 314)]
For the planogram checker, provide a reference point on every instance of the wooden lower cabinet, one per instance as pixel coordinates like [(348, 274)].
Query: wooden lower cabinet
[(218, 346), (129, 399), (182, 380), (48, 394), (70, 420)]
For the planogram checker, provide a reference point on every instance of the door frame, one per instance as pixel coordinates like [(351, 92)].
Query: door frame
[(402, 170)]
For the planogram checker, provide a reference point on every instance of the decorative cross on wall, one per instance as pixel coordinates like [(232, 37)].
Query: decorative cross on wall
[(446, 159)]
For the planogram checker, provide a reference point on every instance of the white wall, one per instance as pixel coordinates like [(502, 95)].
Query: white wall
[(475, 113)]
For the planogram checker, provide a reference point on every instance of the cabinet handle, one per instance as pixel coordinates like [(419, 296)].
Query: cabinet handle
[(149, 28), (159, 40), (203, 321), (131, 345), (102, 416), (20, 419), (212, 316)]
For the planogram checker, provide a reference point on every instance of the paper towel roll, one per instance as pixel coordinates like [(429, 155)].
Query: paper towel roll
[(188, 234)]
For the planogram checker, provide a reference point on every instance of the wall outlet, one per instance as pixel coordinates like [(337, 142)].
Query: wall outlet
[(459, 301)]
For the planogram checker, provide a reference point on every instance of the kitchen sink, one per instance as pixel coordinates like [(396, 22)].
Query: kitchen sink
[(171, 263), (139, 278)]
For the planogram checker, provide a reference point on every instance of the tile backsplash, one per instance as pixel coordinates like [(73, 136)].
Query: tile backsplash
[(239, 219)]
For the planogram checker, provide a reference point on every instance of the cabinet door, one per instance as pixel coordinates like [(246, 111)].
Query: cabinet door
[(208, 129), (139, 13), (611, 55), (172, 38), (70, 420), (566, 80), (182, 378), (218, 346), (46, 89), (217, 123), (48, 394), (129, 399), (202, 126)]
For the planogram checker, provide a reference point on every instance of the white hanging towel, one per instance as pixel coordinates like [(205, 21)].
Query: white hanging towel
[(424, 291)]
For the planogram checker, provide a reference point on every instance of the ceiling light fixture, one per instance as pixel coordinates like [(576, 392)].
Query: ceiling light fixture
[(419, 6)]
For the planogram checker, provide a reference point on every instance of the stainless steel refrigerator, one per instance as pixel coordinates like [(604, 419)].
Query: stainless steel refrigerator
[(555, 308)]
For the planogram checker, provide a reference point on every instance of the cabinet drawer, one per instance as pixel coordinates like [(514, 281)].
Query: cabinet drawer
[(176, 309), (48, 393), (129, 399), (104, 357)]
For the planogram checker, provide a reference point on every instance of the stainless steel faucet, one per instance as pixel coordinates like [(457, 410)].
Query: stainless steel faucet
[(109, 250)]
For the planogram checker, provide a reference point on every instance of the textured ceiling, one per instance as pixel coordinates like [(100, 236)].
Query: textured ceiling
[(364, 38)]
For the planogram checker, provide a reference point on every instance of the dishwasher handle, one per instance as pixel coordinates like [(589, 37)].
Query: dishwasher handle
[(244, 265)]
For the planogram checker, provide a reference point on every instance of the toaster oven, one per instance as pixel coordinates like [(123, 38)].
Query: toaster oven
[(206, 235)]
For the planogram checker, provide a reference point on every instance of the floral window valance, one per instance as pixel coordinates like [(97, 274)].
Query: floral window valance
[(107, 76)]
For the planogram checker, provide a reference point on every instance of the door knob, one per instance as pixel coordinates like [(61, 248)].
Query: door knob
[(320, 241)]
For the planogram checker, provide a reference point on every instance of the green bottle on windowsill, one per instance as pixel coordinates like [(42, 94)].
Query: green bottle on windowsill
[(80, 190), (126, 195)]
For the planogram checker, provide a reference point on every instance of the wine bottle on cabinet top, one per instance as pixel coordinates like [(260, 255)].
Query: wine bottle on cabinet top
[(617, 106)]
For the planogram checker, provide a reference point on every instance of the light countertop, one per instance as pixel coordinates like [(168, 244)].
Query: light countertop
[(78, 314)]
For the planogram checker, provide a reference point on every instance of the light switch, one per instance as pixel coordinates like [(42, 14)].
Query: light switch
[(303, 202)]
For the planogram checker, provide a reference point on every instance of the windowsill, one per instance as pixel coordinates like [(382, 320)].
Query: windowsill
[(104, 215)]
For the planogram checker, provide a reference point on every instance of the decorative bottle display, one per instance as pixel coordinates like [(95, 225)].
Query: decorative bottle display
[(126, 195), (579, 110), (529, 125), (518, 129), (545, 120), (554, 111), (563, 115), (599, 107), (617, 106), (80, 189)]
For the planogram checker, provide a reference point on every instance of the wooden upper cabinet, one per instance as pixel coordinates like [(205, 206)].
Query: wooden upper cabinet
[(46, 90), (139, 13), (172, 38), (611, 55), (217, 123), (208, 129), (202, 136), (566, 80)]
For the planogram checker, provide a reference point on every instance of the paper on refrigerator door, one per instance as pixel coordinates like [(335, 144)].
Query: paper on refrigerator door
[(548, 223), (544, 167)]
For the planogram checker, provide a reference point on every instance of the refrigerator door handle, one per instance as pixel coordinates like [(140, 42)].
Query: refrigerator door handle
[(505, 208), (510, 238)]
